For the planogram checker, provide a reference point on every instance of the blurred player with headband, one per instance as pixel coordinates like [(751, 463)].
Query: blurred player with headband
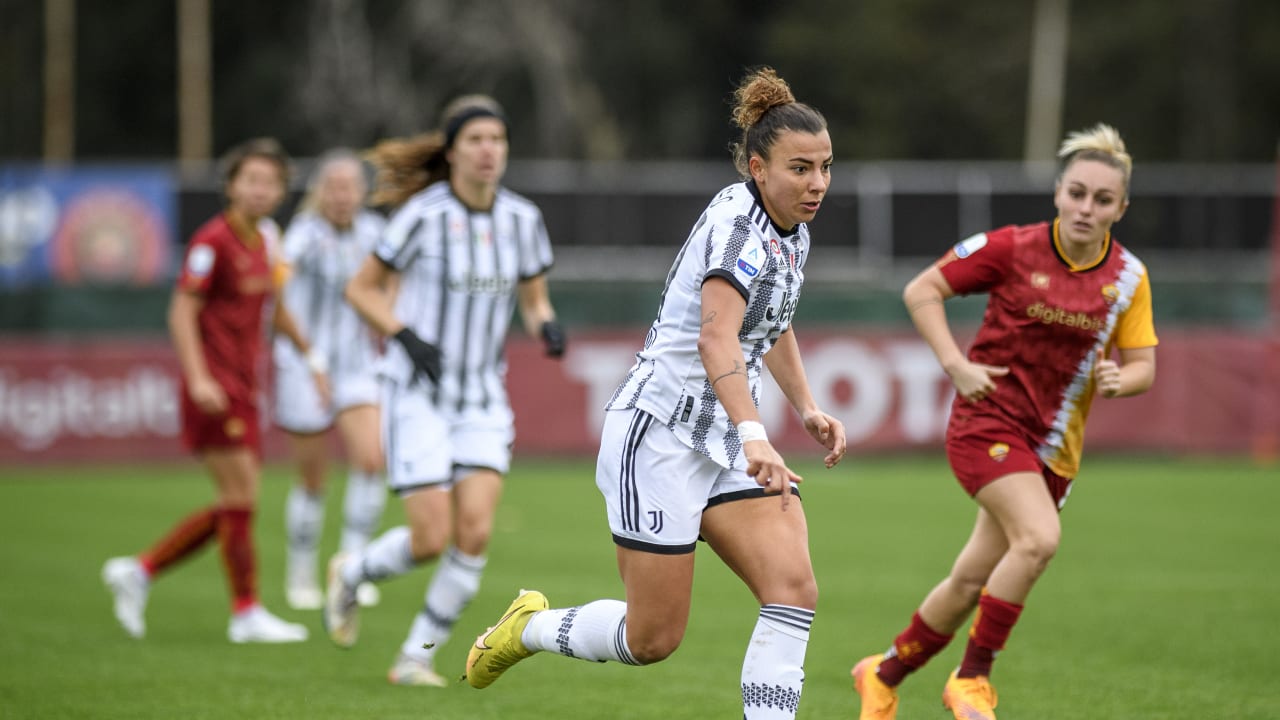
[(458, 255)]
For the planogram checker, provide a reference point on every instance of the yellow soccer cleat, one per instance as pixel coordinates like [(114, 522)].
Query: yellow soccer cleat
[(879, 701), (970, 698), (500, 647)]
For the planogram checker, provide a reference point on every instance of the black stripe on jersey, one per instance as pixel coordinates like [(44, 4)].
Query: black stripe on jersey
[(628, 496), (527, 249), (733, 280), (467, 309), (737, 241), (398, 260), (757, 308), (706, 418), (442, 286), (641, 367), (313, 316), (732, 250)]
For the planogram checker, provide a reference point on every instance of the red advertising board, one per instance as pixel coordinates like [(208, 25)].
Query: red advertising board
[(115, 400)]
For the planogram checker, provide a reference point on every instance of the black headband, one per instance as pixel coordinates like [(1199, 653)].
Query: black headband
[(457, 121)]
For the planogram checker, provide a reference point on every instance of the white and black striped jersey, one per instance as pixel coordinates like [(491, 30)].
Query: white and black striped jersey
[(321, 259), (735, 240), (459, 272)]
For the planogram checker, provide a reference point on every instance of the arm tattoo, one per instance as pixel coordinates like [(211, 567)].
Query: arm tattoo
[(738, 369), (922, 303), (710, 318)]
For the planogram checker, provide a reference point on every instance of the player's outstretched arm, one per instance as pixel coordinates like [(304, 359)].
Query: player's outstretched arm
[(787, 370)]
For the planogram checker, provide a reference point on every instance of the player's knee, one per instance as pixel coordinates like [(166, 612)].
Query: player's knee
[(797, 589), (1038, 547), (368, 463), (473, 535), (426, 545), (650, 648), (968, 587)]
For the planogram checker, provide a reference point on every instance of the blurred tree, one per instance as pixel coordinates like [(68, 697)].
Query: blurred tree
[(649, 79)]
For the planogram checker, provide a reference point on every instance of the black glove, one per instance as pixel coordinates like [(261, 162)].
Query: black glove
[(425, 356), (553, 338)]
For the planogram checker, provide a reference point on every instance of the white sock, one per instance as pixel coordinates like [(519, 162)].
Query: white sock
[(362, 505), (596, 631), (303, 522), (389, 555), (455, 582), (773, 670)]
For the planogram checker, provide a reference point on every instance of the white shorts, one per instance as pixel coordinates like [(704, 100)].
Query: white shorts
[(297, 404), (427, 447), (655, 487)]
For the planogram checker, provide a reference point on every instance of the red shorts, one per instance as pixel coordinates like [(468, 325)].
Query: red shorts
[(237, 427), (980, 456)]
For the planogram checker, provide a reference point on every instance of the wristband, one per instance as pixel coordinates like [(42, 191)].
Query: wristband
[(317, 361), (749, 430)]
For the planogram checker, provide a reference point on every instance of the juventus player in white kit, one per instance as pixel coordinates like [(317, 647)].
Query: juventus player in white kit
[(464, 251), (683, 453), (325, 244)]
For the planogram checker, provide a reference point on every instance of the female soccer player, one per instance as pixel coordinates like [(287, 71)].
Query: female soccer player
[(463, 250), (215, 319), (325, 243), (683, 454), (1063, 296)]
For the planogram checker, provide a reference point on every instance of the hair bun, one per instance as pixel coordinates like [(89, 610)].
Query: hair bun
[(759, 91)]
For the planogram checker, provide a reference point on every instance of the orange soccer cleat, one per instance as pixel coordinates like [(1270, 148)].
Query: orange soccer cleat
[(970, 698), (879, 701)]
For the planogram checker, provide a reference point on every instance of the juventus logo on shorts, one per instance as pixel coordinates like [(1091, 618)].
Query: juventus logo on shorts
[(655, 521)]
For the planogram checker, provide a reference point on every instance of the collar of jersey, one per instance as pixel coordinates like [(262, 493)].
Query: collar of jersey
[(755, 193), (245, 232), (1057, 249)]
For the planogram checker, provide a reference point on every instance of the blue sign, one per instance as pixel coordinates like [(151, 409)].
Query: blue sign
[(95, 226)]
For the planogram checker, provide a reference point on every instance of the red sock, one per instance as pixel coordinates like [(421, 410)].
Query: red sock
[(910, 651), (235, 534), (185, 538), (990, 630)]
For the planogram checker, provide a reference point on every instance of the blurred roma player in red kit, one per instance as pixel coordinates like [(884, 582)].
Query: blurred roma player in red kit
[(215, 319), (1063, 297)]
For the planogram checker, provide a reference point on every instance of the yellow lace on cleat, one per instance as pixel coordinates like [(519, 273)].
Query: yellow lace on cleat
[(879, 701), (500, 646), (970, 698)]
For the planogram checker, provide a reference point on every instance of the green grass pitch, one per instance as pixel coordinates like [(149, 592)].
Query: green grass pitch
[(1162, 602)]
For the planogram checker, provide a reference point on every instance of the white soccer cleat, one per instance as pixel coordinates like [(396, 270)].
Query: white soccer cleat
[(409, 671), (307, 597), (368, 594), (341, 611), (257, 625), (128, 582), (301, 590)]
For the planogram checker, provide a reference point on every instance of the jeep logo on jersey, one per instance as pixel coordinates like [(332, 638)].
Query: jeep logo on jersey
[(787, 307), (480, 284)]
